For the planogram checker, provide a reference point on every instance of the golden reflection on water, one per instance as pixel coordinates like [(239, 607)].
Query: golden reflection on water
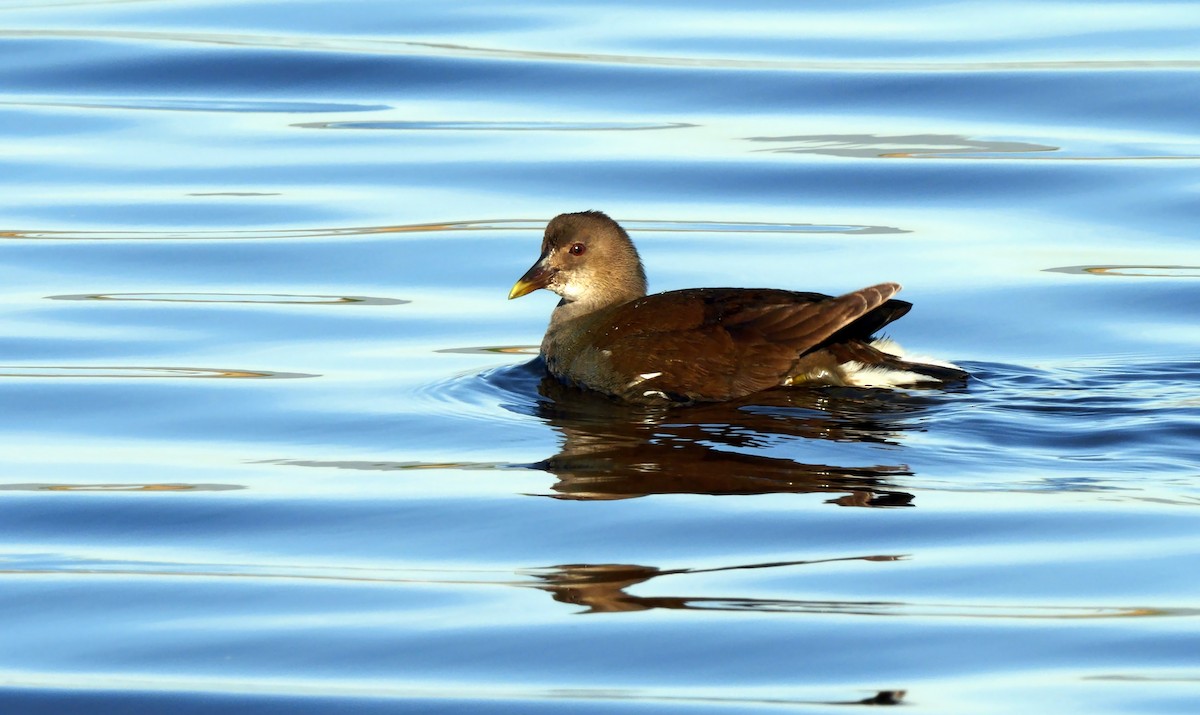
[(1131, 271), (385, 466), (490, 225), (1139, 678), (280, 298), (445, 125), (160, 487), (195, 104), (898, 146), (43, 4), (361, 45), (122, 372), (494, 349), (234, 193), (935, 146)]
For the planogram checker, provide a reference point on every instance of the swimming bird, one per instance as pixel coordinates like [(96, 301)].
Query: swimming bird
[(704, 344)]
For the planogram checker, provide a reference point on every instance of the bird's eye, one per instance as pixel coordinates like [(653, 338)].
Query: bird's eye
[(577, 249)]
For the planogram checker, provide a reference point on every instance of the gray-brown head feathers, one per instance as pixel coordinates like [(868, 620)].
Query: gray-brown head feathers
[(590, 259)]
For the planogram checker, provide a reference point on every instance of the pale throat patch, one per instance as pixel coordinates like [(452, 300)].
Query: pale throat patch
[(570, 292)]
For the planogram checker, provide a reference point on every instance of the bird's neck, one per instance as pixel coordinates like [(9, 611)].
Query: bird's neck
[(595, 301), (569, 311)]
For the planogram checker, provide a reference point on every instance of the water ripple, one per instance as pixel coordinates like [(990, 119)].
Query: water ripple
[(493, 350), (1130, 271), (270, 298), (900, 146), (155, 487), (481, 126), (93, 691), (123, 372), (599, 588), (170, 104), (361, 45), (1084, 427), (949, 146), (523, 225)]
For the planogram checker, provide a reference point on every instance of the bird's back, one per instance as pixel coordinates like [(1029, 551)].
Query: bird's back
[(711, 343)]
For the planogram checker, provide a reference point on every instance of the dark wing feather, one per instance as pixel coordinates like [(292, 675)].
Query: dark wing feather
[(872, 322), (723, 343)]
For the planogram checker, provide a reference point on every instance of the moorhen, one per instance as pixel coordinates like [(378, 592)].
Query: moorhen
[(704, 344)]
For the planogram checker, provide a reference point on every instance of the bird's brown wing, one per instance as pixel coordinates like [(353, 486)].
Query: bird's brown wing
[(723, 343)]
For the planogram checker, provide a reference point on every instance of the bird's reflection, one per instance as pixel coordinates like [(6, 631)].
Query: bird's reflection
[(610, 450), (614, 451), (604, 588), (607, 588)]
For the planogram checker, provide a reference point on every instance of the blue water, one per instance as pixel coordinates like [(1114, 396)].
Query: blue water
[(273, 440)]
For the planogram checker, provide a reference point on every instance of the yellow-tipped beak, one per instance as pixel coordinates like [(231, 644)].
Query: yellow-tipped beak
[(523, 287), (536, 277)]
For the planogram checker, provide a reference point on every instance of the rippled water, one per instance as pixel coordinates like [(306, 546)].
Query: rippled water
[(273, 440)]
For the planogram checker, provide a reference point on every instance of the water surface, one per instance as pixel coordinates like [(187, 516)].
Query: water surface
[(274, 440)]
